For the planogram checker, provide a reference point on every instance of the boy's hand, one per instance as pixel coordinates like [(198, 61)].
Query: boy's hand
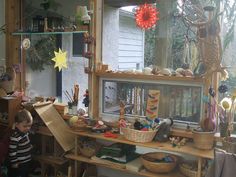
[(15, 165)]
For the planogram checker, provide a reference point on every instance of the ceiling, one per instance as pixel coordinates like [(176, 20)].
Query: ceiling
[(122, 3)]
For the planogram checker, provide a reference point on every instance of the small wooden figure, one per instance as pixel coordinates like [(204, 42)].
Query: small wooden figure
[(122, 110)]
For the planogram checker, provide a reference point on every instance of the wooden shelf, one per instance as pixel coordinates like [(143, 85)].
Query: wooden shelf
[(48, 33), (188, 149), (48, 159), (120, 167), (151, 77)]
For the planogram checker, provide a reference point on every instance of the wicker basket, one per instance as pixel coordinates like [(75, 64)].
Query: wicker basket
[(229, 145), (158, 167), (88, 151), (88, 148), (9, 86), (137, 135), (203, 140), (187, 171)]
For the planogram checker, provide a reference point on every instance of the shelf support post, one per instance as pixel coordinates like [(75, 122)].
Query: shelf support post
[(199, 168)]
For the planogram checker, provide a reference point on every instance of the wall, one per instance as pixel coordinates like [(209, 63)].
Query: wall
[(75, 72), (131, 43), (2, 36), (41, 83), (110, 38)]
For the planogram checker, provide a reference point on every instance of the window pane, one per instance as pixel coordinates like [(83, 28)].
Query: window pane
[(182, 103)]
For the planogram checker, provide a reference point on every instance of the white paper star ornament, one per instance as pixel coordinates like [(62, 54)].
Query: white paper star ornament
[(60, 59)]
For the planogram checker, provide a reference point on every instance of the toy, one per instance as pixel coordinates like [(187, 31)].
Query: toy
[(86, 98)]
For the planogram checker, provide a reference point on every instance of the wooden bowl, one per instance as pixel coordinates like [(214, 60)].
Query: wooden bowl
[(150, 162)]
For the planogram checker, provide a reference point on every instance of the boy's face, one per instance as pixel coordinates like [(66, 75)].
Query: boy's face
[(24, 126)]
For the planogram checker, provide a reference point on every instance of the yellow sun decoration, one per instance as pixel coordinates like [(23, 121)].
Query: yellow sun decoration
[(60, 59)]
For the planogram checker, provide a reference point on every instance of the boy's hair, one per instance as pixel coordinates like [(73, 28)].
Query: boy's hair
[(22, 116)]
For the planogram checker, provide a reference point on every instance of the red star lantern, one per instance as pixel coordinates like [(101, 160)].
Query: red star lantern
[(146, 16)]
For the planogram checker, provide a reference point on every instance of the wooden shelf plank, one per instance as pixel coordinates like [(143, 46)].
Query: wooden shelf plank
[(48, 159), (120, 167), (150, 77), (188, 149), (47, 33)]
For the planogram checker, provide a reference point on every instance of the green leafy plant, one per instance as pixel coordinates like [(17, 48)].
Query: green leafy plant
[(40, 54)]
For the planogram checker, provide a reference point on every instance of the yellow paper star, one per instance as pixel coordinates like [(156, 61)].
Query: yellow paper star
[(60, 59)]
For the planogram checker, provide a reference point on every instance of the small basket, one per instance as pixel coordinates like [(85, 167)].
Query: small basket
[(88, 148), (158, 167), (88, 151), (229, 145), (137, 135), (187, 172), (203, 140), (9, 86)]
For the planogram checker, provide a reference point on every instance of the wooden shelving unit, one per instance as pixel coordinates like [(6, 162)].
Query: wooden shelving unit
[(52, 158), (188, 149), (151, 77), (9, 106), (120, 167)]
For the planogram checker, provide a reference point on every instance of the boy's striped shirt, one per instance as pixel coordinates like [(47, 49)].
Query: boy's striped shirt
[(19, 147)]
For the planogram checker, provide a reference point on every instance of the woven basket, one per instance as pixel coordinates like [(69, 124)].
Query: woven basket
[(158, 167), (88, 148), (9, 86), (229, 145), (137, 135), (88, 151), (187, 172), (203, 140)]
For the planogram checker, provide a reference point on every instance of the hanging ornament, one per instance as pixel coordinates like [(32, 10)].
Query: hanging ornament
[(60, 59), (25, 43), (146, 16)]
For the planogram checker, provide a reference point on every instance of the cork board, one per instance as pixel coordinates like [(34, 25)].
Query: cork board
[(56, 125)]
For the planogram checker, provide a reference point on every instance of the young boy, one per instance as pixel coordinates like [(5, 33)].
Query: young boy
[(20, 146)]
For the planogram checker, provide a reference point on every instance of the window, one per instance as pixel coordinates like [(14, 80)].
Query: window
[(78, 45), (178, 100), (173, 43)]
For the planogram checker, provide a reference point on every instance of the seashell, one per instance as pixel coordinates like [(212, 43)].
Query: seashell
[(155, 70), (180, 71), (147, 70), (188, 72), (165, 72)]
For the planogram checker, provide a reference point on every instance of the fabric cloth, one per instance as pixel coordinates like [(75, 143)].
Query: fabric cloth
[(224, 165), (19, 148)]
